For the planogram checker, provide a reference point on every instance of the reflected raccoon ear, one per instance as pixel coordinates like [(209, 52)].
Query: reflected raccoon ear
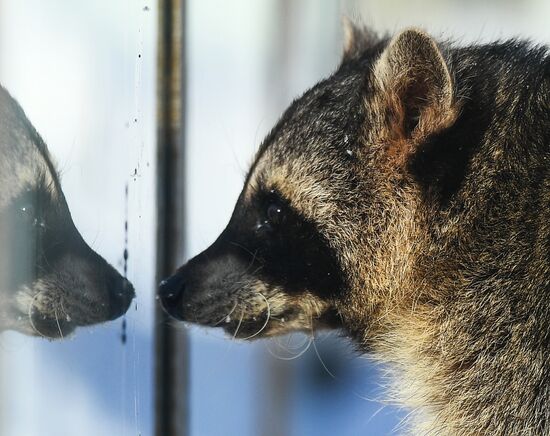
[(356, 39), (416, 92)]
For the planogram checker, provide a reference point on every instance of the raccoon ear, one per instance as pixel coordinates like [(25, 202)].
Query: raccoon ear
[(356, 39), (417, 92)]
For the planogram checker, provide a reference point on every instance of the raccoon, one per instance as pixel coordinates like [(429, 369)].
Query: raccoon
[(406, 200), (50, 279)]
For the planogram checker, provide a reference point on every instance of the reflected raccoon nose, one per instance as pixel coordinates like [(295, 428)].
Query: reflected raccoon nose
[(170, 295), (121, 292)]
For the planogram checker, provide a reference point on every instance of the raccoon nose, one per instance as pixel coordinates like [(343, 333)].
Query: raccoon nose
[(170, 295), (121, 292)]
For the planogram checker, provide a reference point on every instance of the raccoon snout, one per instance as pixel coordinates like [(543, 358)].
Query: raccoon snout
[(121, 292), (170, 294)]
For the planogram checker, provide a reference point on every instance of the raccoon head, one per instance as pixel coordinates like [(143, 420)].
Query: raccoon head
[(50, 279), (320, 235)]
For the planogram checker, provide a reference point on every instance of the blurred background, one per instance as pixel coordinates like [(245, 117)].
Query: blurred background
[(84, 72)]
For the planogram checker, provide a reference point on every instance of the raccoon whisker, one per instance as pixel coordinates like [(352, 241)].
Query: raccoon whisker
[(63, 311), (321, 361), (297, 346), (277, 319), (290, 349), (195, 316), (236, 244), (44, 259), (226, 316), (266, 320), (260, 267), (323, 364), (248, 251), (288, 340), (58, 325), (47, 268), (239, 325), (244, 281), (29, 314), (279, 341), (94, 240), (296, 356), (280, 345)]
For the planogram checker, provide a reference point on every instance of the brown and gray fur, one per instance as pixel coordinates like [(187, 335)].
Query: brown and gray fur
[(50, 280), (406, 200)]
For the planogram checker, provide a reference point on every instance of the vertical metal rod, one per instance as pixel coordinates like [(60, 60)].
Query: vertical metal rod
[(171, 343), (4, 395), (274, 417)]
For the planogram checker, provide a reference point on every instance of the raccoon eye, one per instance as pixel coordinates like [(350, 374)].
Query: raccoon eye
[(29, 214), (27, 210), (275, 214)]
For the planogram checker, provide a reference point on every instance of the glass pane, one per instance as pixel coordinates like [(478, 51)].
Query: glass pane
[(247, 61), (241, 78), (83, 72)]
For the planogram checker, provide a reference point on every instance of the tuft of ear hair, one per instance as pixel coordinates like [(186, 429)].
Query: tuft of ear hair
[(356, 39), (417, 93)]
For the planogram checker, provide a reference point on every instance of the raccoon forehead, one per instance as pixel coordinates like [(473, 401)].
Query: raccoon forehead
[(307, 184), (26, 162), (20, 172), (311, 154)]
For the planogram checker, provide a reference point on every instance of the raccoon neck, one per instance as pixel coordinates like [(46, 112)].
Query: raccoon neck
[(470, 370), (460, 313), (468, 338)]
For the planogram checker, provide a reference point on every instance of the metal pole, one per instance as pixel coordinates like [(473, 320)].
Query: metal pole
[(4, 394), (171, 347), (274, 416)]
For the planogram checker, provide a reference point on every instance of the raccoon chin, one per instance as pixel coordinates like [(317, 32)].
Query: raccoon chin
[(48, 327), (30, 315), (248, 329), (35, 323)]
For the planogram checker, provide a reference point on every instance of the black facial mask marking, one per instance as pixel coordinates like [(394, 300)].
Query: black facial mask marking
[(35, 230), (289, 250), (22, 227)]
